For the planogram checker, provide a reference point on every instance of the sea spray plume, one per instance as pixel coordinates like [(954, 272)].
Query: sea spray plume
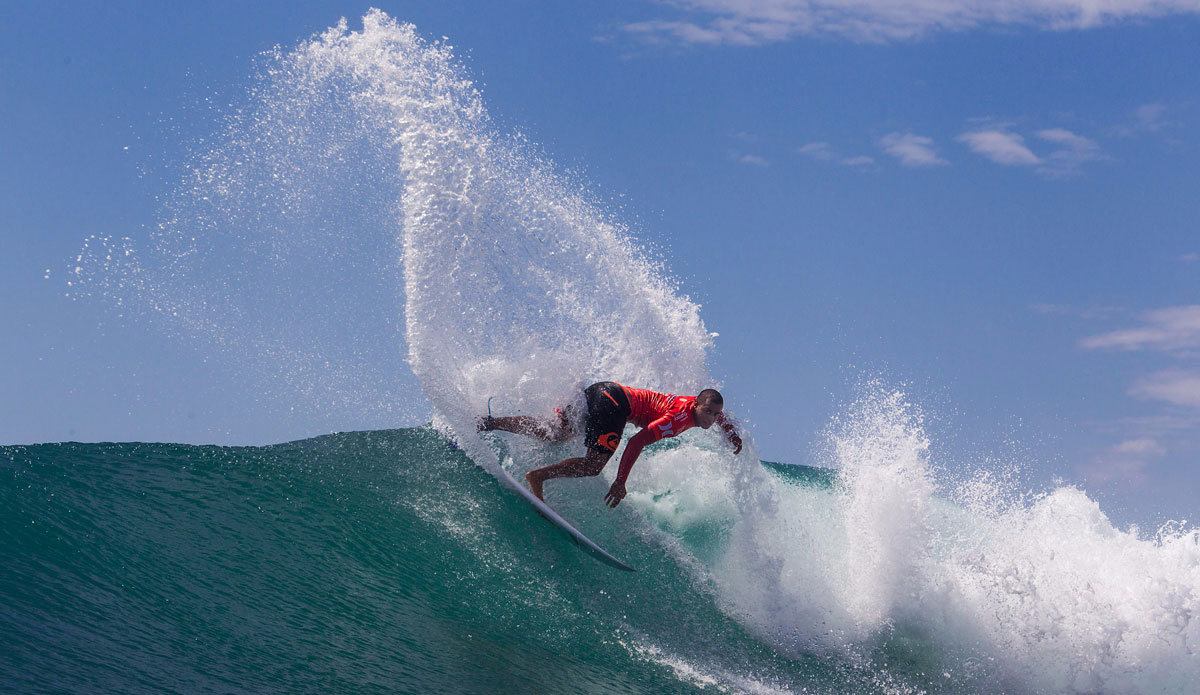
[(281, 248), (277, 251), (515, 284), (885, 487)]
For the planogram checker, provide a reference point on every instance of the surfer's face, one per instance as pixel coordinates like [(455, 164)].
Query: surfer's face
[(706, 413)]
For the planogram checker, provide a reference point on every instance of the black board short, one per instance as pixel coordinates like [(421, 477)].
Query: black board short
[(607, 412)]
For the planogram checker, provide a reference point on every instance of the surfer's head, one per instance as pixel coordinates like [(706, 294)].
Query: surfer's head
[(707, 407)]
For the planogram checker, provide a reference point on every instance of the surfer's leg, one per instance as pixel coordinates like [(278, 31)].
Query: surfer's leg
[(607, 412), (517, 424), (581, 467), (547, 431)]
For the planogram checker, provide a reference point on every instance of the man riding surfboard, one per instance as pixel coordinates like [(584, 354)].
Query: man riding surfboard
[(609, 407)]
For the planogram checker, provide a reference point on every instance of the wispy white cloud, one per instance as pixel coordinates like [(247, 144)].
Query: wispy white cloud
[(1124, 462), (824, 152), (1150, 116), (1084, 312), (1173, 425), (1169, 330), (1000, 146), (821, 151), (744, 140), (1069, 140), (759, 22), (861, 162), (1190, 257), (1073, 152), (912, 150), (660, 31), (1175, 386), (1146, 119), (1173, 333)]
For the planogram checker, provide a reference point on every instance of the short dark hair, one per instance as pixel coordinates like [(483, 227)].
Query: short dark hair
[(711, 396)]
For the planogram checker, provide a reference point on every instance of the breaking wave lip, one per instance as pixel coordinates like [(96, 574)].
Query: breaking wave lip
[(509, 277)]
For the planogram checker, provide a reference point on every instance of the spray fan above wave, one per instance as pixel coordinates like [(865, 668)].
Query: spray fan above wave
[(360, 147), (514, 283)]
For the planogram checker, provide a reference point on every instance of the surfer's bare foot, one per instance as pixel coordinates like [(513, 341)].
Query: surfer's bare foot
[(535, 485)]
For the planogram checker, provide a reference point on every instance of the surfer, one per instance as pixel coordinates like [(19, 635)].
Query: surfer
[(609, 407)]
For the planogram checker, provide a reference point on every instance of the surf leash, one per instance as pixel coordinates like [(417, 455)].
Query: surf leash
[(489, 423)]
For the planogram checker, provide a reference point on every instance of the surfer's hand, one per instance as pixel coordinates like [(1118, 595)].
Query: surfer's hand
[(736, 441), (616, 493)]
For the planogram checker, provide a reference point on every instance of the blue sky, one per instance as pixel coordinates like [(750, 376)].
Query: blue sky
[(994, 208)]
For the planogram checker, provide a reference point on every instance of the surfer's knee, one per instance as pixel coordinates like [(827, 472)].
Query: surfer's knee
[(559, 428), (594, 462)]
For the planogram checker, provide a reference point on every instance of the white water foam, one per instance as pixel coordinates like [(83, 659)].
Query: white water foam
[(996, 592), (1045, 587), (703, 676)]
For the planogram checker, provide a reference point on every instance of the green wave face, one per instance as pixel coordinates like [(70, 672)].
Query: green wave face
[(367, 562)]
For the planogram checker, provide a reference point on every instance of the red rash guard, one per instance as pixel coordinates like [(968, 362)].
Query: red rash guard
[(661, 415)]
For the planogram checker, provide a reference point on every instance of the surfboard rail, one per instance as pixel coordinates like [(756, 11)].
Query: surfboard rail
[(547, 512)]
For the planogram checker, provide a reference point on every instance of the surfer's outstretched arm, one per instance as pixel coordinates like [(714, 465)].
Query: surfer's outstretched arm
[(731, 433), (616, 493)]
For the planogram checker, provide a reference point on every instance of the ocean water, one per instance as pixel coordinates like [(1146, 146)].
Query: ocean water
[(361, 237), (388, 561)]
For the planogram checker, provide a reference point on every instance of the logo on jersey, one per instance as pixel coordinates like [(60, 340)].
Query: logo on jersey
[(609, 440), (667, 429)]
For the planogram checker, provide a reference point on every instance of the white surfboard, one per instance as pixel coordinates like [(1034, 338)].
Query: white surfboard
[(587, 544)]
